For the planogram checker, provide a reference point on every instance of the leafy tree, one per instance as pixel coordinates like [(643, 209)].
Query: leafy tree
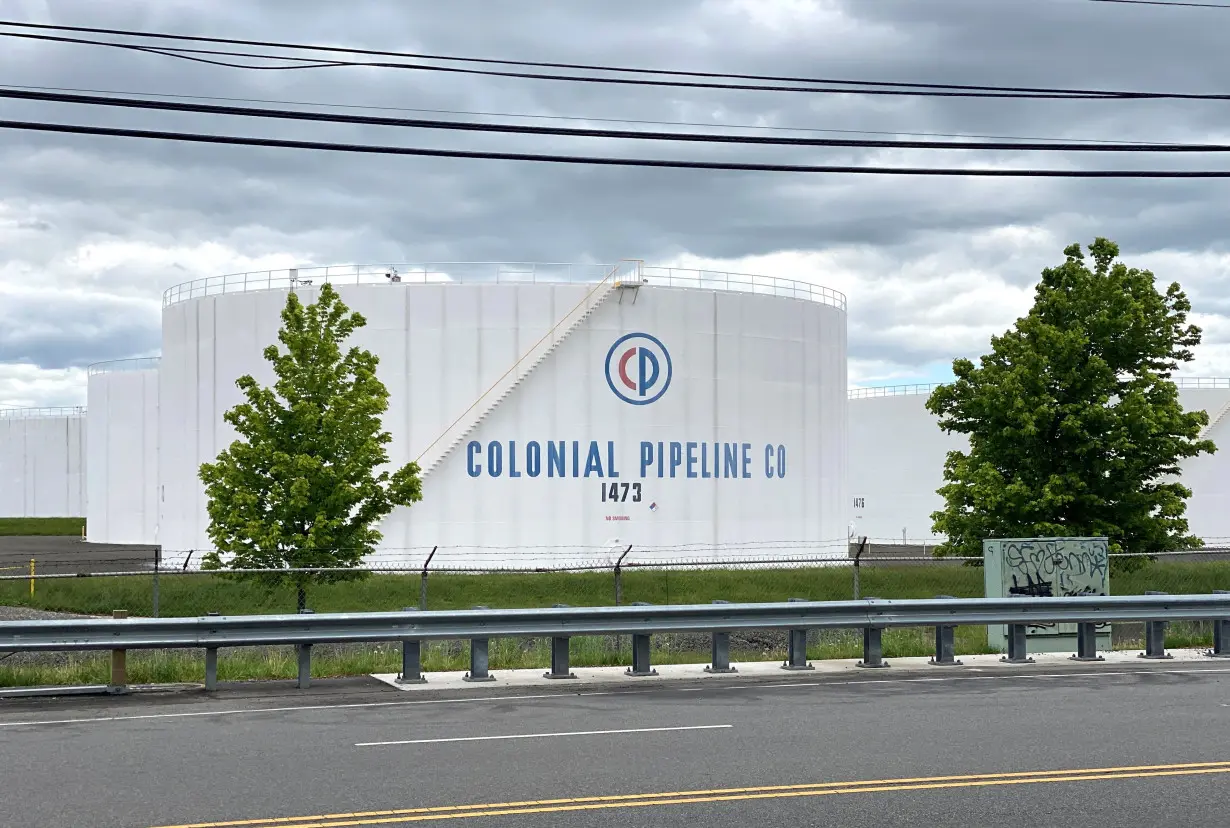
[(1074, 425), (300, 488)]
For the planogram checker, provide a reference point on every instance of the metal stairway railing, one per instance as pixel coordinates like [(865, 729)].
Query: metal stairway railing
[(470, 419), (1213, 421)]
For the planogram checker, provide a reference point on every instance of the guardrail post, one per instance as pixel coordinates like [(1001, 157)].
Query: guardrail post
[(1155, 637), (479, 661), (211, 663), (796, 647), (1018, 647), (640, 651), (945, 643), (873, 645), (411, 660), (1087, 642), (559, 656), (719, 661), (1221, 633), (211, 669), (119, 663), (303, 653)]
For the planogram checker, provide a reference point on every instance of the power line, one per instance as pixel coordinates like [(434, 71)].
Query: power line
[(588, 118), (1164, 3), (306, 63), (573, 132), (902, 88), (234, 140)]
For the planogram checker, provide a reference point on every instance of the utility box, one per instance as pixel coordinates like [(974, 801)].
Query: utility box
[(1046, 568)]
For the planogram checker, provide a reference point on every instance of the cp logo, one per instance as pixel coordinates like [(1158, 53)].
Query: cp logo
[(638, 368)]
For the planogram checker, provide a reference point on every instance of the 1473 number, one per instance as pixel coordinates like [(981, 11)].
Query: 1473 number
[(618, 492)]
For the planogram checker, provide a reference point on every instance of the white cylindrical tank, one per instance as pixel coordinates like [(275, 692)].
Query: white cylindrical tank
[(122, 482), (1208, 476), (42, 462), (559, 418), (897, 454)]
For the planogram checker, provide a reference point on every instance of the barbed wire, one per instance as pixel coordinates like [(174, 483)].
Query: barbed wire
[(480, 567)]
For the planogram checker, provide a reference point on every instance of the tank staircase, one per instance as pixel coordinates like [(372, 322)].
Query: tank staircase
[(472, 417), (1213, 421)]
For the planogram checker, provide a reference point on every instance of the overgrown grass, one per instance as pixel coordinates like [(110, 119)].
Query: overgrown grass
[(192, 595), (25, 527)]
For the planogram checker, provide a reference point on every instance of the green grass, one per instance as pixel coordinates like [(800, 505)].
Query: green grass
[(192, 595), (26, 527)]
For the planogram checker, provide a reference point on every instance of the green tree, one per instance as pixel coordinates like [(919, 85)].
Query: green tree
[(300, 488), (1074, 424)]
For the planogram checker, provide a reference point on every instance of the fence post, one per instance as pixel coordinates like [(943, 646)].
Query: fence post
[(796, 647), (157, 563), (423, 581), (304, 653), (619, 583), (862, 547), (945, 643), (479, 660), (719, 660), (559, 656), (1221, 633), (119, 663), (1155, 637)]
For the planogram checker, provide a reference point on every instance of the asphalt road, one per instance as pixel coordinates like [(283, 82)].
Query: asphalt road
[(1107, 747)]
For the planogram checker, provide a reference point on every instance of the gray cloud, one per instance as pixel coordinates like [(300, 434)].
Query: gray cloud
[(155, 214)]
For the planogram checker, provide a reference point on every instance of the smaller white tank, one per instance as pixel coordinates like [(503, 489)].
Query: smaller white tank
[(42, 462), (122, 503)]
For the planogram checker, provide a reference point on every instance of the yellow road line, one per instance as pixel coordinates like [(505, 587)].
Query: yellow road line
[(404, 815)]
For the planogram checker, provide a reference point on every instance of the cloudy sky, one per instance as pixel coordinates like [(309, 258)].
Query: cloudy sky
[(93, 229)]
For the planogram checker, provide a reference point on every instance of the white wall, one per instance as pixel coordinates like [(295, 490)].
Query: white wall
[(1208, 476), (762, 370), (897, 454), (42, 463), (123, 452), (897, 457)]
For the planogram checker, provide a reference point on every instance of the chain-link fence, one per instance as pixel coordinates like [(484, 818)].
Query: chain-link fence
[(145, 583)]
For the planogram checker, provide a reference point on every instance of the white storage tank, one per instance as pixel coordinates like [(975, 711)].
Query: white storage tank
[(122, 504), (560, 412), (897, 454), (42, 462), (1208, 476)]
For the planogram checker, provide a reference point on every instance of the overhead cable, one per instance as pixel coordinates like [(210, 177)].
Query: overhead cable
[(574, 132), (584, 118), (281, 143), (857, 86)]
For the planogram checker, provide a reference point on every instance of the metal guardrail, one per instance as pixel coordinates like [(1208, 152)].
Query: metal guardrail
[(640, 621)]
